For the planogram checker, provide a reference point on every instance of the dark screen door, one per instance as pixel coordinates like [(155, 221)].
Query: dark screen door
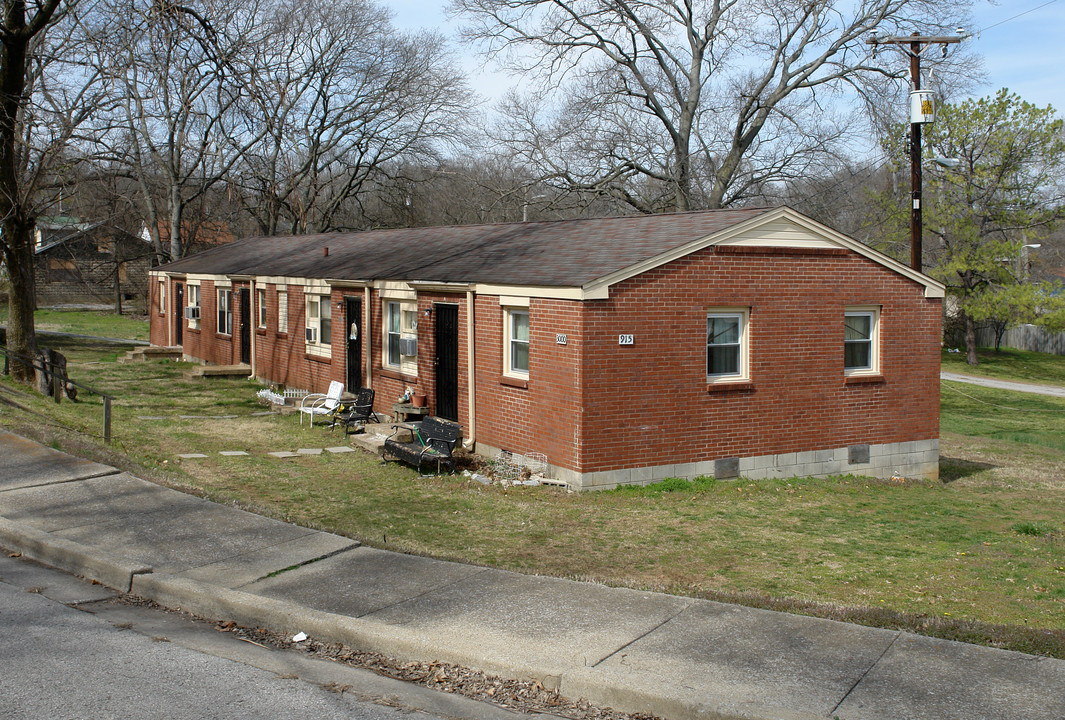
[(446, 334), (179, 313), (245, 325), (353, 315)]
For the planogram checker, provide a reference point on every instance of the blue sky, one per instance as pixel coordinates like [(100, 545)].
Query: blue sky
[(1025, 53)]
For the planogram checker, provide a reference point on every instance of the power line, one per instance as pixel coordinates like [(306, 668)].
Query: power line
[(1003, 22)]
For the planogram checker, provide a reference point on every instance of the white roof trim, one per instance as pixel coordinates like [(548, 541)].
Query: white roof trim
[(824, 237)]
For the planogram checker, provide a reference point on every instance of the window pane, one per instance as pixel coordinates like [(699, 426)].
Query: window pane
[(857, 327), (326, 322), (520, 326), (723, 330), (856, 355), (519, 356), (723, 360), (393, 317), (393, 349)]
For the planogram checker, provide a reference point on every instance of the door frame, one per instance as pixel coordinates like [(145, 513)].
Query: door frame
[(446, 386), (178, 314), (245, 324), (353, 351)]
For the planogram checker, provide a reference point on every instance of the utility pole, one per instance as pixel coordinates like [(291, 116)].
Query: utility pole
[(922, 111)]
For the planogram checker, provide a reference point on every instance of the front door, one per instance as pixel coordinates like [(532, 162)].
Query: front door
[(446, 334), (353, 316), (245, 325), (179, 313)]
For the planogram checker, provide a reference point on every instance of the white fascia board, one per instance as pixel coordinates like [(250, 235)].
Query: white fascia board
[(600, 287), (440, 287), (531, 291), (348, 283), (202, 277)]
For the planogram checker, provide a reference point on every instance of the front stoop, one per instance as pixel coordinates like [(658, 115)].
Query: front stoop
[(203, 372), (152, 352)]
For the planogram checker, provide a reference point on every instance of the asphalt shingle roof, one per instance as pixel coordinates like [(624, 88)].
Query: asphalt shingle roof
[(562, 253)]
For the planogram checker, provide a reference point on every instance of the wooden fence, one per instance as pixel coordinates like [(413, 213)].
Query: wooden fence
[(1025, 337)]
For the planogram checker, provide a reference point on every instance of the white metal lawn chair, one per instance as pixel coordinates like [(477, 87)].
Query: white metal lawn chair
[(319, 404)]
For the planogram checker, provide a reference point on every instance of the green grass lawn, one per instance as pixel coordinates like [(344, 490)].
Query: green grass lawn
[(87, 322), (1009, 364), (979, 555)]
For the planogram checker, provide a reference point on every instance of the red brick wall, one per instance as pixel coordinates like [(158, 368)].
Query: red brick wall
[(545, 416), (649, 403), (594, 405)]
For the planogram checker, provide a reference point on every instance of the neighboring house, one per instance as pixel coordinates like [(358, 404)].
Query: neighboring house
[(89, 263), (750, 342), (204, 235)]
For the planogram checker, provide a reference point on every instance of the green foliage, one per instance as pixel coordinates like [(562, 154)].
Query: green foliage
[(1035, 529), (1002, 196), (1005, 193)]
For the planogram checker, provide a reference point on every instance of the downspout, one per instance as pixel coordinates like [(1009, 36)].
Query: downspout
[(471, 373), (168, 285), (368, 338), (253, 321)]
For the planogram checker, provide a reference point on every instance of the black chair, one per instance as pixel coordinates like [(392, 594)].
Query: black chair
[(356, 412)]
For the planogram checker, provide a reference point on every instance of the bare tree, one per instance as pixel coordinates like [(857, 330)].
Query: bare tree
[(675, 104), (49, 94), (343, 98), (179, 132)]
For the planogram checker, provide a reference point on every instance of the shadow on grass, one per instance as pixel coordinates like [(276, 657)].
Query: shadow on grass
[(951, 469)]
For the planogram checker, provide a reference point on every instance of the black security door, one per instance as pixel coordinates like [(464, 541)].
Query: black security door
[(447, 361), (353, 315), (179, 313), (245, 325)]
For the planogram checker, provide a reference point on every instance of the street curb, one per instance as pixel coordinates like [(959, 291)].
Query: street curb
[(89, 563), (222, 604), (605, 691)]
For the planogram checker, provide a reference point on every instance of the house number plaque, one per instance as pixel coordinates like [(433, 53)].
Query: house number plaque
[(625, 339), (560, 339)]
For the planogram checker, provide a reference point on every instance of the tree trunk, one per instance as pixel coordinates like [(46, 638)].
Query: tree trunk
[(17, 228), (18, 256), (970, 340)]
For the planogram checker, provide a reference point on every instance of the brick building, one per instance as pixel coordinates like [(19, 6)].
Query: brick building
[(727, 343)]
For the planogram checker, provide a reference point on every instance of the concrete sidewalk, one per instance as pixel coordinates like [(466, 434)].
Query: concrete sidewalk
[(635, 651)]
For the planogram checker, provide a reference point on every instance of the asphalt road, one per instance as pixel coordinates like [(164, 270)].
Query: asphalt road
[(109, 660)]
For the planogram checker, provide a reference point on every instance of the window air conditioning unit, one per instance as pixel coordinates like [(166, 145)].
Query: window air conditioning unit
[(192, 312), (312, 335), (408, 346)]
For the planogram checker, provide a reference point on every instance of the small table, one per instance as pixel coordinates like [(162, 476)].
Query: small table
[(403, 411)]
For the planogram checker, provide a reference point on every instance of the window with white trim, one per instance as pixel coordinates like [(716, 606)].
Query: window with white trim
[(861, 343), (319, 321), (726, 344), (282, 311), (194, 302), (516, 342), (225, 311), (260, 300), (162, 296), (400, 336)]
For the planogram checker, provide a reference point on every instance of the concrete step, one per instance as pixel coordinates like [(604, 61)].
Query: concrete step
[(203, 372), (152, 352)]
